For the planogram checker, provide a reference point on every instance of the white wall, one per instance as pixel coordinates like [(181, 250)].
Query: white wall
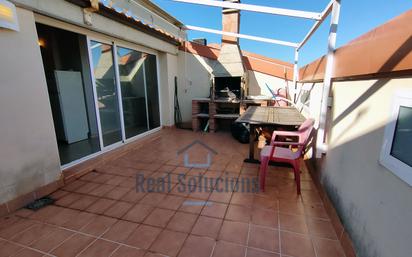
[(374, 204), (258, 81), (28, 153), (193, 81)]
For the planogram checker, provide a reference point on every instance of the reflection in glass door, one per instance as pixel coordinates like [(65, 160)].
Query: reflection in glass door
[(133, 91), (106, 90), (152, 91)]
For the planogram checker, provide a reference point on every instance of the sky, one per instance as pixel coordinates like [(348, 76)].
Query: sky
[(357, 17)]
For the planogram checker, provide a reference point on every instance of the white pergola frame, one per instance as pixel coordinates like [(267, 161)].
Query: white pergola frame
[(332, 8)]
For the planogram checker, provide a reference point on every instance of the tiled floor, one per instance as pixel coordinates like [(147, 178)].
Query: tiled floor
[(101, 214)]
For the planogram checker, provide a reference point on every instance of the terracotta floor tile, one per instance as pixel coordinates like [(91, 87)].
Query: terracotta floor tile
[(179, 170), (98, 226), (328, 248), (200, 194), (296, 245), (182, 222), (235, 232), (117, 193), (72, 246), (115, 180), (101, 190), (89, 177), (167, 168), (265, 203), (260, 253), (171, 202), (315, 211), (179, 190), (206, 226), (100, 206), (79, 221), (264, 238), (169, 242), (120, 231), (238, 213), (192, 205), (58, 194), (159, 217), (63, 216), (228, 250), (143, 236), (46, 213), (74, 185), (196, 246), (152, 199), (133, 196), (8, 248), (28, 253), (16, 228), (32, 234), (83, 202), (245, 199), (128, 183), (125, 251), (52, 240), (118, 209), (68, 199), (138, 213), (7, 221), (86, 188), (214, 209), (220, 196), (321, 228), (99, 248), (293, 223), (24, 213), (265, 217), (291, 207)]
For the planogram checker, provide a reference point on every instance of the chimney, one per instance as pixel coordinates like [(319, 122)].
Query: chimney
[(230, 23)]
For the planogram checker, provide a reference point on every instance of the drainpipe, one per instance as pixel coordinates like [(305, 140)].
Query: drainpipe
[(321, 146)]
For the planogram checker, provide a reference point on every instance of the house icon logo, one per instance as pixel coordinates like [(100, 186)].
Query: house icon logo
[(186, 151)]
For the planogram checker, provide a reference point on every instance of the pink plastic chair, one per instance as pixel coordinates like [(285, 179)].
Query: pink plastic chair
[(274, 151)]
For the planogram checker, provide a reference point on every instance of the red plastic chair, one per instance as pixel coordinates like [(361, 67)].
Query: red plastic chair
[(274, 151)]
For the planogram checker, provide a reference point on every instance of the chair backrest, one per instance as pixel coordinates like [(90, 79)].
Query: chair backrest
[(305, 130)]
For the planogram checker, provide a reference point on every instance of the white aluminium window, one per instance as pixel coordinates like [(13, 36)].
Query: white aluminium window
[(396, 154)]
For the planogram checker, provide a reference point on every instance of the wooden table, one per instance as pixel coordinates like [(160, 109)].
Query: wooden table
[(257, 116)]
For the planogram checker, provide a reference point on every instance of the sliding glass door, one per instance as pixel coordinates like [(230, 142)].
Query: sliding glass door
[(127, 92), (106, 90), (133, 89)]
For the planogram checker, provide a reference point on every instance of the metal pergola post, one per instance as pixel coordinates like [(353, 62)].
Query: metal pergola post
[(327, 81), (295, 75)]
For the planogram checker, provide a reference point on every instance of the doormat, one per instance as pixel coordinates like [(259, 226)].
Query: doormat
[(40, 203)]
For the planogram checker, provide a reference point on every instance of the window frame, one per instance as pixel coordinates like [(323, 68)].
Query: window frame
[(402, 170)]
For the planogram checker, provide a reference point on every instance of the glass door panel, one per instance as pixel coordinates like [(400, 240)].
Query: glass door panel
[(152, 91), (132, 83), (107, 98)]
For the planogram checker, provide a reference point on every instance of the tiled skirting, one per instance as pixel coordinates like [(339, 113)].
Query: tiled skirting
[(343, 236)]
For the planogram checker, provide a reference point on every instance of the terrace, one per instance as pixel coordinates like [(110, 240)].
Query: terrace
[(103, 214), (121, 127)]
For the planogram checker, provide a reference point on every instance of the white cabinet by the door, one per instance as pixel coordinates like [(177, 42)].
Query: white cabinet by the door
[(72, 105)]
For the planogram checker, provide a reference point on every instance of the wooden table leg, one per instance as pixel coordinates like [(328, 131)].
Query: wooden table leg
[(252, 138)]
